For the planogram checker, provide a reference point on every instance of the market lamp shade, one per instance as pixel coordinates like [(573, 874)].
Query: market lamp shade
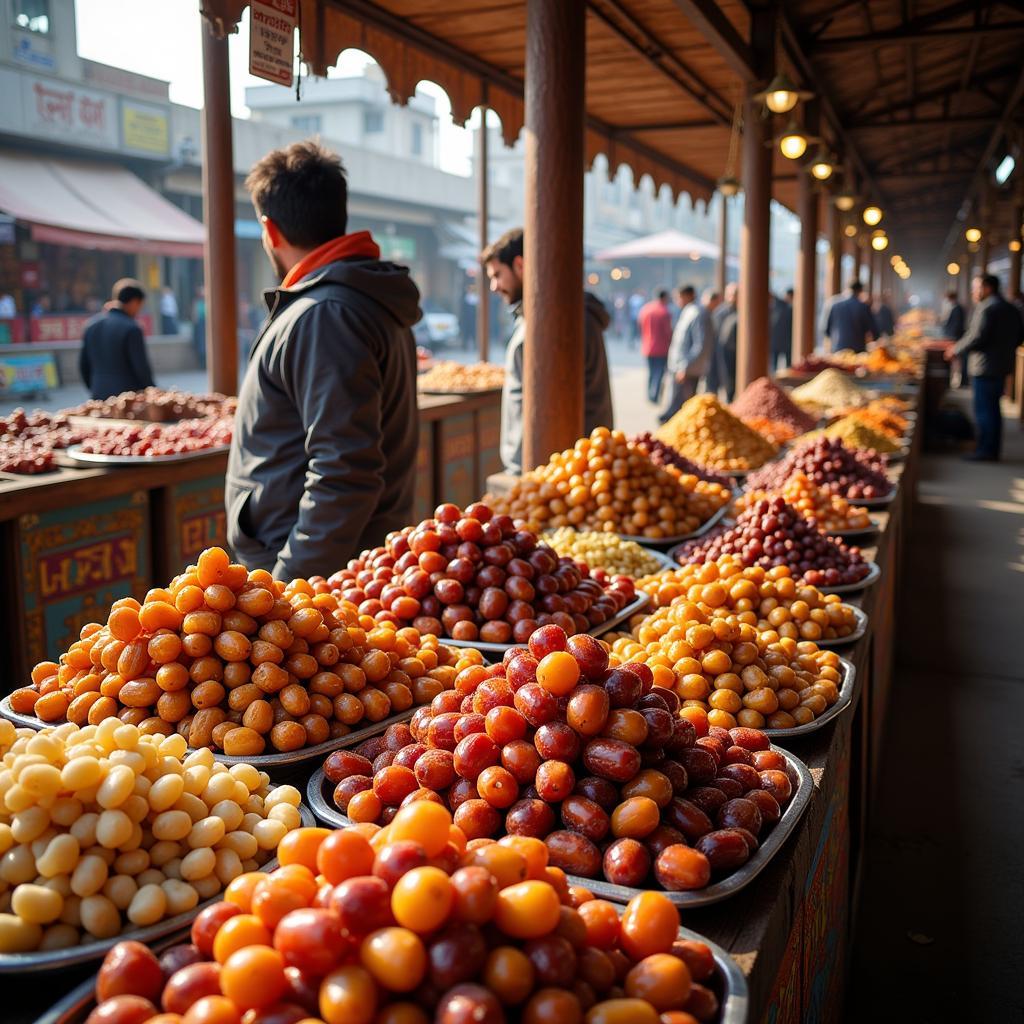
[(845, 201), (895, 259), (973, 234), (879, 241), (793, 142), (822, 167), (872, 215), (728, 186), (1014, 245), (781, 95), (850, 231), (952, 269)]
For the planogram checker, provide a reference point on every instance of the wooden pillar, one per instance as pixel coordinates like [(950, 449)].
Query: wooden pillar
[(985, 251), (553, 228), (483, 308), (805, 287), (834, 265), (869, 268), (1013, 285), (721, 271), (219, 217)]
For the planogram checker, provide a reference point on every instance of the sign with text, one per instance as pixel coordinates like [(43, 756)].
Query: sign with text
[(272, 39), (54, 108), (71, 326), (27, 374), (145, 129)]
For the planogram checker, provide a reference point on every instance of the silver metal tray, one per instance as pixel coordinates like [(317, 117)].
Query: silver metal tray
[(464, 393), (632, 608), (882, 502), (846, 535), (655, 543), (266, 762), (60, 959), (75, 452), (845, 696), (873, 576), (859, 630)]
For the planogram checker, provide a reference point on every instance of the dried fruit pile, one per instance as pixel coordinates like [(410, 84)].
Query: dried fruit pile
[(107, 828), (879, 417), (856, 434), (705, 431), (829, 512), (415, 927), (851, 473), (665, 455), (157, 405), (167, 439), (771, 533), (607, 551), (28, 440), (556, 744), (605, 483), (451, 376), (473, 575), (238, 661), (765, 400)]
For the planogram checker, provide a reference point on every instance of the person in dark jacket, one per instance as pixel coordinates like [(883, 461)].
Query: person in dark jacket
[(782, 330), (503, 261), (722, 373), (323, 458), (113, 356), (848, 322), (991, 340), (953, 325), (885, 323)]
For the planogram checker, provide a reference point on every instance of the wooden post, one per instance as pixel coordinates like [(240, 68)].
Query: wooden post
[(553, 228), (1013, 286), (721, 271), (804, 299), (985, 251), (483, 308), (834, 265), (869, 268), (219, 217)]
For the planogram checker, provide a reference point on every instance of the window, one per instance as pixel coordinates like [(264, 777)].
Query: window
[(32, 15), (309, 123), (417, 140), (373, 121)]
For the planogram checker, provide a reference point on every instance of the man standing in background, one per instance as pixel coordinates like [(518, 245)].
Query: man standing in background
[(782, 330), (885, 324), (113, 356), (849, 323), (168, 311), (953, 325), (655, 338), (723, 365), (690, 353)]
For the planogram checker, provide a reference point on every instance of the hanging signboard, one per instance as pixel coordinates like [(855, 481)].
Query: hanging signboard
[(272, 39)]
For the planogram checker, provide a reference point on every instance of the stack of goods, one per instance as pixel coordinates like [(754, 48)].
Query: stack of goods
[(237, 661), (667, 457), (452, 376), (605, 483), (766, 408), (772, 533), (154, 440), (156, 405), (855, 434), (880, 361), (472, 575), (106, 828), (413, 927), (831, 389), (879, 417), (728, 673), (829, 512), (852, 473), (705, 431), (28, 441), (768, 599), (556, 745), (606, 551)]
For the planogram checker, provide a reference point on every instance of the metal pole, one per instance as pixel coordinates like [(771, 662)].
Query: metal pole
[(219, 217), (553, 228), (804, 300), (721, 271), (483, 308)]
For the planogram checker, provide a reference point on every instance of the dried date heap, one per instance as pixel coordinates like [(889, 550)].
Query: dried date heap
[(28, 440), (763, 399), (559, 744), (772, 533), (852, 473), (157, 405)]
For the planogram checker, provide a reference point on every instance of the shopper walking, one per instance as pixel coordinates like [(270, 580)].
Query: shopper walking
[(954, 320), (991, 340), (503, 261), (322, 462), (723, 365), (849, 323), (168, 311), (691, 351), (655, 338), (885, 323), (113, 355), (782, 330)]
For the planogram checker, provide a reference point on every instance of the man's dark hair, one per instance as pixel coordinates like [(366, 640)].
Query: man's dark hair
[(687, 289), (856, 287), (302, 189), (990, 281), (663, 295), (790, 293), (127, 290), (505, 249), (951, 294)]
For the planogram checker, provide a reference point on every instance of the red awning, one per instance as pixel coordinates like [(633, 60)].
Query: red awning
[(94, 206)]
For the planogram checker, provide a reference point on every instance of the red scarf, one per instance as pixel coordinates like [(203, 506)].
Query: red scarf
[(357, 245)]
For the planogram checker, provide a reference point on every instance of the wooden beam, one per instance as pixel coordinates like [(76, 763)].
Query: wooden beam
[(902, 35), (672, 126), (716, 28), (923, 122)]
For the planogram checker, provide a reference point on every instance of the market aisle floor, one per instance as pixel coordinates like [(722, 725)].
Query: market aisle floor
[(940, 934)]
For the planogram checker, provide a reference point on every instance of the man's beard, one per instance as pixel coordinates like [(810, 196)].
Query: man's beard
[(279, 269), (513, 298)]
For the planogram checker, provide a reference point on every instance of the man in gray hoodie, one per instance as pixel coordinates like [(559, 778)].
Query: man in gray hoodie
[(503, 261), (323, 457)]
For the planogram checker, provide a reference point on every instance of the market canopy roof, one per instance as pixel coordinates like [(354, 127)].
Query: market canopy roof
[(94, 205), (670, 244)]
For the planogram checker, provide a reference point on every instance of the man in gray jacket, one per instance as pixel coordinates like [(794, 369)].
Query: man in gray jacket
[(323, 457), (691, 351), (503, 261), (989, 344)]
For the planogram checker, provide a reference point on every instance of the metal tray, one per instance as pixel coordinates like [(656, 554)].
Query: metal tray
[(75, 452), (859, 630), (491, 648), (657, 543), (873, 576), (883, 502), (845, 535), (60, 959), (466, 393), (845, 696), (266, 762)]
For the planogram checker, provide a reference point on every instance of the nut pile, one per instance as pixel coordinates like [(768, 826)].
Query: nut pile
[(768, 599), (665, 455), (28, 440), (607, 551), (728, 673), (472, 575), (763, 399), (829, 512), (558, 744), (451, 376), (106, 828), (831, 388), (771, 533), (853, 473), (705, 431), (238, 661), (605, 483), (881, 418), (410, 925)]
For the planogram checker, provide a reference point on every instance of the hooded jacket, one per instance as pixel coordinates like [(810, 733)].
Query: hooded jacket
[(323, 457), (597, 391)]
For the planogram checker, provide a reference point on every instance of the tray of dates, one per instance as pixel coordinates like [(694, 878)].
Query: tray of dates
[(666, 542), (416, 928), (846, 691), (858, 632), (874, 574), (77, 453), (845, 535), (559, 745)]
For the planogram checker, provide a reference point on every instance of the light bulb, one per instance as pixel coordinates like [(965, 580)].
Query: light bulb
[(879, 243), (728, 186), (793, 145), (872, 215), (973, 234), (952, 269), (780, 101), (1014, 245), (850, 231), (821, 169), (845, 201)]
